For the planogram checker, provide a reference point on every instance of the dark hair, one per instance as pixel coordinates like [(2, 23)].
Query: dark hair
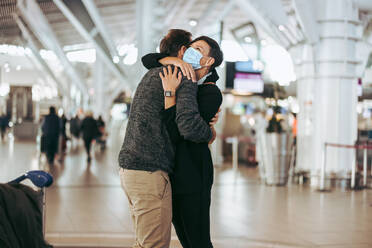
[(174, 40), (215, 51), (52, 110)]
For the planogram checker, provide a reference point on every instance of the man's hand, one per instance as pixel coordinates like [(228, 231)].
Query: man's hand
[(170, 80), (214, 135), (186, 68), (215, 118)]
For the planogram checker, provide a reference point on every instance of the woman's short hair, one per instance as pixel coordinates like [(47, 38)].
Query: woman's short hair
[(215, 51), (174, 40)]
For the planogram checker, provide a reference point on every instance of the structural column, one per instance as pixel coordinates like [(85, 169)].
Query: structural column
[(305, 71), (335, 95), (150, 23), (99, 93)]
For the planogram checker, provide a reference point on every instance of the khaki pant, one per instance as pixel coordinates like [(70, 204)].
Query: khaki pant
[(150, 200)]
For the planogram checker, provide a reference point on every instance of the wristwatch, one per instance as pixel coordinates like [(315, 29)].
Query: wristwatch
[(168, 93)]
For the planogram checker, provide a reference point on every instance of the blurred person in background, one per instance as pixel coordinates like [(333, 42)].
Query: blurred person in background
[(75, 123), (294, 128), (51, 130), (90, 131), (101, 139), (275, 125), (4, 124), (63, 137)]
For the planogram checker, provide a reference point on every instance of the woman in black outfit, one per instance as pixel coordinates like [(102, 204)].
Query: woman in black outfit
[(90, 132), (192, 178), (51, 131)]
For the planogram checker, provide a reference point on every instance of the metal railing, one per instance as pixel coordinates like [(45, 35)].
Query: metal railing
[(365, 147)]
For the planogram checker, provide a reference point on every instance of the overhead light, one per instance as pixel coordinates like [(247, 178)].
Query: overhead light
[(281, 27), (193, 22), (18, 67), (263, 42), (7, 69), (248, 39), (83, 56), (6, 65), (116, 59)]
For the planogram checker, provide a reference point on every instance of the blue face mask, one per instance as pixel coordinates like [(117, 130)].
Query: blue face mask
[(193, 57)]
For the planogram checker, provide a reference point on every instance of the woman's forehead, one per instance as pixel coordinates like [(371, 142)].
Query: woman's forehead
[(204, 47)]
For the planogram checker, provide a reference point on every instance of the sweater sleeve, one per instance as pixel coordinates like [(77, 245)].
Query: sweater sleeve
[(151, 60), (209, 101), (169, 119), (190, 124)]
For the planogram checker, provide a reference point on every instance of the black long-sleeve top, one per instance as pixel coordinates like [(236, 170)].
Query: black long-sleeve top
[(151, 60), (193, 171)]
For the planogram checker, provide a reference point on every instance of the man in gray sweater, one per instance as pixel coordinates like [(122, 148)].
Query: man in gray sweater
[(147, 155)]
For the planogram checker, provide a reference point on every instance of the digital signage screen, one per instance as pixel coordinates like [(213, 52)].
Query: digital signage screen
[(248, 83)]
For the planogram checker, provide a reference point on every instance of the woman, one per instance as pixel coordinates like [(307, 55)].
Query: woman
[(90, 132), (192, 178)]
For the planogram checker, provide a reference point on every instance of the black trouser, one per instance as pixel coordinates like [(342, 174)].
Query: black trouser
[(191, 219), (88, 144), (51, 148)]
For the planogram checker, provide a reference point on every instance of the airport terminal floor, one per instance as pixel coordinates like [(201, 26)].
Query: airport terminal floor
[(86, 206)]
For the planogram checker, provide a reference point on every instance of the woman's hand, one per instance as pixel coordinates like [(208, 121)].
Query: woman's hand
[(170, 79), (186, 68), (214, 135), (215, 118)]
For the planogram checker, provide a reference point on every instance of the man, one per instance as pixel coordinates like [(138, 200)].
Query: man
[(75, 131), (147, 154), (51, 130), (90, 131)]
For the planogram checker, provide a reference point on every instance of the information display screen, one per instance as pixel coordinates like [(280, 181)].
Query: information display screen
[(248, 83), (249, 66)]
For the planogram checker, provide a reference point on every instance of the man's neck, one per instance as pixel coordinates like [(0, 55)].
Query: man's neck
[(200, 73)]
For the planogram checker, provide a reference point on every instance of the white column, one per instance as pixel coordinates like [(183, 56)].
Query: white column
[(305, 71), (335, 94), (37, 112), (217, 145), (150, 23), (99, 92)]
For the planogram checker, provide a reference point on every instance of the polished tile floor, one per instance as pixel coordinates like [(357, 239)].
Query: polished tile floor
[(87, 207)]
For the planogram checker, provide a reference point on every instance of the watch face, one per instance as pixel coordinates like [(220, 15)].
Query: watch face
[(168, 93)]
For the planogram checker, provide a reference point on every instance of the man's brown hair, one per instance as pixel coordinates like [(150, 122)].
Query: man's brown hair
[(174, 40)]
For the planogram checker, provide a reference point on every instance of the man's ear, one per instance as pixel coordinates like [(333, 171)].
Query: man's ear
[(210, 61), (182, 51)]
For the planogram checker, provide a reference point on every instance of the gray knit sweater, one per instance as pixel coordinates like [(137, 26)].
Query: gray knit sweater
[(147, 145)]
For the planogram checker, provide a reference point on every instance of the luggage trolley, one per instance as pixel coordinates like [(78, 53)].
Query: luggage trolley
[(40, 179)]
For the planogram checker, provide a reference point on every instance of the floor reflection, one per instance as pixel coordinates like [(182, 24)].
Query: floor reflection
[(86, 205)]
